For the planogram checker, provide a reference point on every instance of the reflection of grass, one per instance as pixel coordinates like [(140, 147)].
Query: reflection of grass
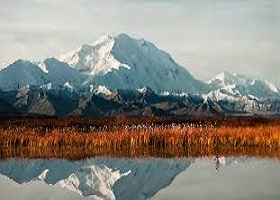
[(64, 138)]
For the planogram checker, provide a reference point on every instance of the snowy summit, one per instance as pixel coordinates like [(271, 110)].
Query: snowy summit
[(128, 63), (237, 85)]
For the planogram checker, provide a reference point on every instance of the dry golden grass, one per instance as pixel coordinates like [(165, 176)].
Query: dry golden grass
[(131, 138)]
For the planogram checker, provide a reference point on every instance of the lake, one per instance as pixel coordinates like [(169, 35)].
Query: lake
[(140, 178)]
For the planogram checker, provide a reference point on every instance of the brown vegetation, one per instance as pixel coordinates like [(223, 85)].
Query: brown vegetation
[(79, 138)]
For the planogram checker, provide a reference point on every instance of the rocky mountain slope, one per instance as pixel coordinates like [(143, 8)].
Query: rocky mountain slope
[(125, 102)]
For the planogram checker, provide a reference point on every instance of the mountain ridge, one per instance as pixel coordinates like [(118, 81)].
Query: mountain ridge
[(129, 74), (125, 62), (238, 85)]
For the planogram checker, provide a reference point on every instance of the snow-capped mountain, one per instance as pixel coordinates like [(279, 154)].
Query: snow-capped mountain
[(99, 178), (59, 73), (21, 73), (235, 92), (50, 73), (123, 62), (103, 73), (233, 86)]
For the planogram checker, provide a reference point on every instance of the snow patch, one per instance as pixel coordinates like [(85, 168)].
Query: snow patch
[(101, 89), (220, 76), (68, 85), (271, 86), (165, 93), (70, 58), (43, 175), (43, 66), (47, 86), (253, 82), (142, 90)]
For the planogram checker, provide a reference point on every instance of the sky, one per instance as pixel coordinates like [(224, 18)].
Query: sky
[(205, 36)]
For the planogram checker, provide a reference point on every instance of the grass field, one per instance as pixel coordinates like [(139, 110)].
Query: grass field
[(75, 138)]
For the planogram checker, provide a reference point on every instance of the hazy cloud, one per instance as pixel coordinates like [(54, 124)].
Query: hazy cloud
[(207, 36)]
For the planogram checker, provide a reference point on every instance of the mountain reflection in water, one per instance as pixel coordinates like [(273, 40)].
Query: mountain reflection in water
[(147, 178), (106, 178)]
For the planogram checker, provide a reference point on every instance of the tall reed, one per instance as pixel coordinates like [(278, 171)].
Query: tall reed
[(131, 139)]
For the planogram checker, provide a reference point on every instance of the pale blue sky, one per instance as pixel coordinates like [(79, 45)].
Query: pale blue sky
[(207, 36)]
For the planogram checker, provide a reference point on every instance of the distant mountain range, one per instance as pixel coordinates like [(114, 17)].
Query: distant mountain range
[(105, 79)]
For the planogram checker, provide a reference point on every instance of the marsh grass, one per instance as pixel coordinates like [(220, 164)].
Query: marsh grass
[(65, 138)]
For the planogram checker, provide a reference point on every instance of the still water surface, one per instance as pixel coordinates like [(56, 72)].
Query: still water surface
[(135, 179)]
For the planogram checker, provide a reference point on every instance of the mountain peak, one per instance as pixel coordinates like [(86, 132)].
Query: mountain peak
[(223, 75), (122, 37), (102, 39), (21, 62), (109, 53), (21, 73), (228, 78), (240, 85), (125, 38), (94, 59), (128, 63)]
